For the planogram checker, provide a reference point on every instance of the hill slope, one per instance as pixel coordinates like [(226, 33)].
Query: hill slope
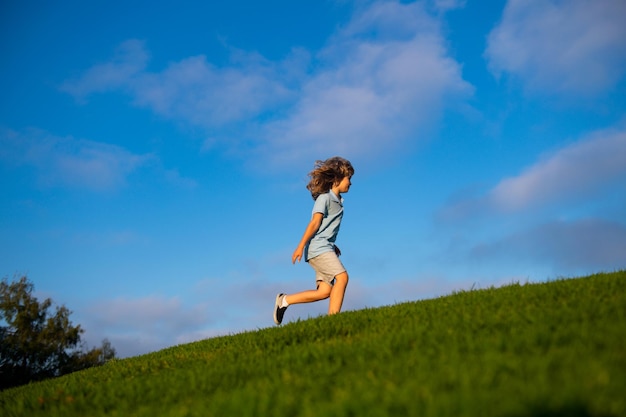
[(550, 349)]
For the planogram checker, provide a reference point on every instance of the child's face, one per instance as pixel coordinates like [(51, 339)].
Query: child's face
[(344, 185)]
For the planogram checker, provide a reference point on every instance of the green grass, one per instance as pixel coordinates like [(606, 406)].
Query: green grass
[(550, 349)]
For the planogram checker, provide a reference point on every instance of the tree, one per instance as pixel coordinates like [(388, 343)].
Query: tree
[(36, 344)]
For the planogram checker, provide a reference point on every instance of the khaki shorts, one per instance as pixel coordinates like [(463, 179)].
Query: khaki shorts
[(327, 266)]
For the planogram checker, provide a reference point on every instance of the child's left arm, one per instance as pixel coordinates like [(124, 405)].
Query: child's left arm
[(310, 231)]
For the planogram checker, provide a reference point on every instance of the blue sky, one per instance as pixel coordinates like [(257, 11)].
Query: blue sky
[(154, 154)]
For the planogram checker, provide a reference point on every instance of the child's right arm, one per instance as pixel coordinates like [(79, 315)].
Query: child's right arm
[(310, 231)]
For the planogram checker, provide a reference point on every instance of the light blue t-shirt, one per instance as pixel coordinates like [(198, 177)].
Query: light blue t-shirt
[(331, 206)]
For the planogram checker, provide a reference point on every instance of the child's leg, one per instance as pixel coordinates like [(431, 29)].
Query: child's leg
[(337, 292), (322, 292)]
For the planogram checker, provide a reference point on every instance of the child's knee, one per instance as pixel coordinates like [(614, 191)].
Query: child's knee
[(342, 278), (323, 289)]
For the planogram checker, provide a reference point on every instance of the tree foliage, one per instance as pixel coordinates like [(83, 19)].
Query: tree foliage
[(37, 341)]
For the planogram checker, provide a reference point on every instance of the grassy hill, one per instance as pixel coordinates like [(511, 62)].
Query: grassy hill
[(549, 349)]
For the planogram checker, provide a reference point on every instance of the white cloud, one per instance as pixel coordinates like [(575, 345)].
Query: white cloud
[(589, 168), (151, 312), (574, 172), (65, 161), (382, 80), (445, 5), (373, 93), (130, 60), (140, 325), (570, 247), (193, 90), (576, 46), (542, 225), (199, 93)]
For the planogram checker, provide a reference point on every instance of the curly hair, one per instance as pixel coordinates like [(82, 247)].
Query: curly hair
[(326, 173)]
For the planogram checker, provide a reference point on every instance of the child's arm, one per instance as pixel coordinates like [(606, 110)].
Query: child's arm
[(310, 231)]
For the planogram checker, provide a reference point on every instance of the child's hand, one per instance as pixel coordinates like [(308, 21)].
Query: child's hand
[(297, 255), (337, 251)]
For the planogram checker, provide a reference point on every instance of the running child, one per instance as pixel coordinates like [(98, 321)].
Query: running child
[(329, 179)]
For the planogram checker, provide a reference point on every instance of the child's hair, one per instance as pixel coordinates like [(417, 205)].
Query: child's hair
[(326, 173)]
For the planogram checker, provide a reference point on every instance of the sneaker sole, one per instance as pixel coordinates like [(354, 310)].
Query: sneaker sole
[(276, 305)]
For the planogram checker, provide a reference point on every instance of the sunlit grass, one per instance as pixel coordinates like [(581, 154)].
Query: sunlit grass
[(550, 349)]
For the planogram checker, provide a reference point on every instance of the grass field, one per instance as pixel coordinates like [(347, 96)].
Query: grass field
[(549, 349)]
